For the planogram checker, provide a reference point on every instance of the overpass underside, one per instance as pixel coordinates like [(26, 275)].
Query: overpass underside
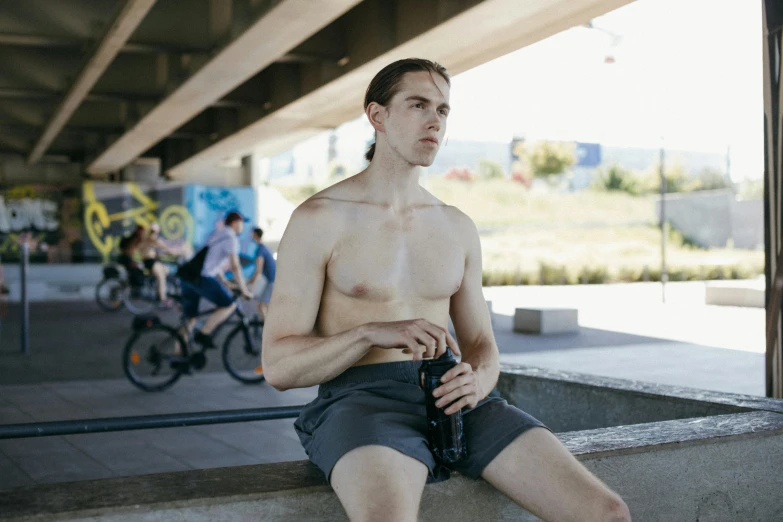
[(194, 82)]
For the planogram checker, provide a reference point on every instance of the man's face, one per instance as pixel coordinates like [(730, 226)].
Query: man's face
[(256, 238), (415, 120), (238, 226)]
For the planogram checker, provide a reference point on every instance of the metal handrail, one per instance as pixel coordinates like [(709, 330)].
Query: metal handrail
[(145, 422), (776, 296)]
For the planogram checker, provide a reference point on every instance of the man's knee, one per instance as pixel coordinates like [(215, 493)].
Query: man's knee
[(613, 509)]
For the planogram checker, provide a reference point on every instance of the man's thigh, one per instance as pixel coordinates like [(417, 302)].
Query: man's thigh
[(379, 483), (211, 290), (541, 475)]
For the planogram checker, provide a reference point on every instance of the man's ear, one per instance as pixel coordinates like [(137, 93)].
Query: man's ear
[(376, 114)]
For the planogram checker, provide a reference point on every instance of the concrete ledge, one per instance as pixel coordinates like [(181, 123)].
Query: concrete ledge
[(570, 401), (729, 293), (722, 468), (546, 320), (55, 282)]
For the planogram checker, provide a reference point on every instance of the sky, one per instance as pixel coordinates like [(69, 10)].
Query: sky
[(686, 74)]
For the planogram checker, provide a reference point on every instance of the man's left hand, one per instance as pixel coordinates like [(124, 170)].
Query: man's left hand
[(460, 388)]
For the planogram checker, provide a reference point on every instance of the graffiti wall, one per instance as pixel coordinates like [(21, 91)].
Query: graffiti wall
[(47, 216), (113, 210), (187, 214)]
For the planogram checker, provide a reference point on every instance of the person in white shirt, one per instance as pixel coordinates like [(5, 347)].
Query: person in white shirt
[(212, 285)]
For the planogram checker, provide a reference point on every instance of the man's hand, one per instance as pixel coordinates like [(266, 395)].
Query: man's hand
[(246, 294), (419, 337), (460, 388)]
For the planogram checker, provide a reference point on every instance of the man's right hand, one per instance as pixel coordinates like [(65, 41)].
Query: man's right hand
[(419, 337)]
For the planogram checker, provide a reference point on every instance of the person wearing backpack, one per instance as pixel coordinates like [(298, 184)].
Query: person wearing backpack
[(208, 281)]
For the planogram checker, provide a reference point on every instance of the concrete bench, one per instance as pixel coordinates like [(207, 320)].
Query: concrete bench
[(674, 454), (546, 320), (735, 293), (702, 463)]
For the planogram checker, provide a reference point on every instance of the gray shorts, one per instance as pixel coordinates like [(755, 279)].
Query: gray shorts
[(382, 404)]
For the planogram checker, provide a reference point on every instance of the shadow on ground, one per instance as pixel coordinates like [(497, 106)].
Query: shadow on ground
[(71, 341), (513, 342)]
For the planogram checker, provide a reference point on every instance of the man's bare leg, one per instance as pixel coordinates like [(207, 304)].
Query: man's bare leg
[(537, 472), (372, 492), (217, 317)]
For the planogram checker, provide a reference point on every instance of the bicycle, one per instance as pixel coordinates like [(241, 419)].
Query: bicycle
[(115, 291), (157, 355)]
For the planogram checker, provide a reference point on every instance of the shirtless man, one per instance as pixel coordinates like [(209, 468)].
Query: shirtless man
[(369, 271)]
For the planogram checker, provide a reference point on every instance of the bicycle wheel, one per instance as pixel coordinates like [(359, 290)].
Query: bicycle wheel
[(242, 352), (109, 294), (141, 300), (149, 356)]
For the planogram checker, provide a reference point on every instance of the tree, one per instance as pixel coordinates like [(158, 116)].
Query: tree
[(489, 169), (548, 158), (711, 178)]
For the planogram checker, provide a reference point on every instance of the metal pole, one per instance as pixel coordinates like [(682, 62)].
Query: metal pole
[(23, 266), (173, 420), (664, 231)]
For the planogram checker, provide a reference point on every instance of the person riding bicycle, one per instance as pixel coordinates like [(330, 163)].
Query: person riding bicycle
[(128, 246), (212, 284), (149, 246)]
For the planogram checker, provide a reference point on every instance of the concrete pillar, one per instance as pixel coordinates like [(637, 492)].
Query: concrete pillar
[(255, 170)]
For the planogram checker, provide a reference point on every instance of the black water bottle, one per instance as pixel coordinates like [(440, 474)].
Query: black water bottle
[(444, 432)]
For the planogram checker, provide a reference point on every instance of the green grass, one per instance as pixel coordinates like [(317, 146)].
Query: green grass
[(503, 202)]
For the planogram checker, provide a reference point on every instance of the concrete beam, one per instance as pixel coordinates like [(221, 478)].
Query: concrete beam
[(126, 22), (469, 38), (281, 29)]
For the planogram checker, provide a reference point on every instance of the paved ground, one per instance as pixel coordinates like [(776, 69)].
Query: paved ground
[(73, 371)]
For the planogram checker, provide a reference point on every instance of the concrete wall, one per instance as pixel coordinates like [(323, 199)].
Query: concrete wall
[(567, 401), (712, 218), (55, 282)]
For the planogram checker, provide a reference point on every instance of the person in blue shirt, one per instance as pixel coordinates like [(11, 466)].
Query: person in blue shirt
[(266, 266)]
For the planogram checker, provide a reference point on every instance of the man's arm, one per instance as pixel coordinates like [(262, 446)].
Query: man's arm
[(257, 273), (293, 355), (161, 245), (477, 375), (236, 268)]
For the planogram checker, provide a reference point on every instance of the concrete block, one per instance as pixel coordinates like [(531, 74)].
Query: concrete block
[(733, 293), (546, 320)]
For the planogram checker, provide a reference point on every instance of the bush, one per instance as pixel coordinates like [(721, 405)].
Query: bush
[(751, 189), (677, 180), (460, 174), (549, 159), (521, 178), (616, 179), (711, 179), (549, 274), (489, 169)]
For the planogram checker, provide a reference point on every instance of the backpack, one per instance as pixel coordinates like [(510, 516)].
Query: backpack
[(191, 269)]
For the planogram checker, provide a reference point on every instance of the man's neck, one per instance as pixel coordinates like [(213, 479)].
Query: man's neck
[(392, 181)]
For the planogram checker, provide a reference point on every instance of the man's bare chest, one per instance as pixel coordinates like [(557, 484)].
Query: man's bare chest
[(388, 261)]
